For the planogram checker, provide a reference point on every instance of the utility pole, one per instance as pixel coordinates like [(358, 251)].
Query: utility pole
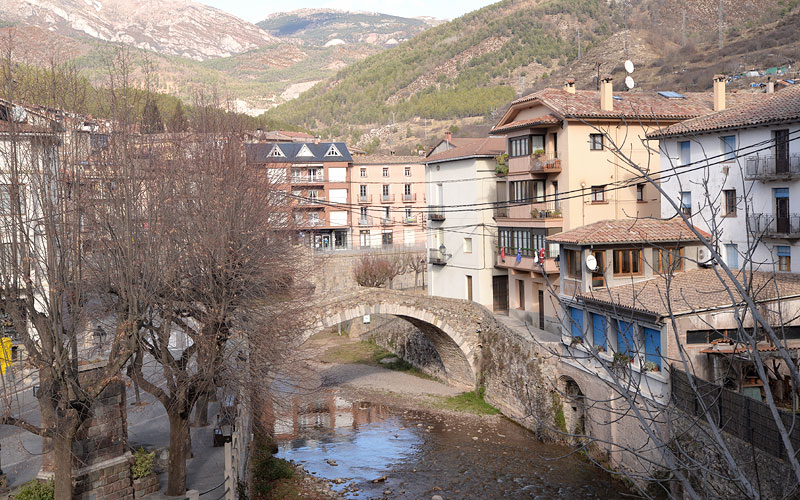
[(720, 24)]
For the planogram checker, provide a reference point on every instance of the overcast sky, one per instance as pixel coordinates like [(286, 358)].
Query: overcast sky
[(257, 10)]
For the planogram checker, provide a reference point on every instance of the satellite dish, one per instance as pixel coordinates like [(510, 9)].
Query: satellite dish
[(629, 82), (629, 66), (591, 262)]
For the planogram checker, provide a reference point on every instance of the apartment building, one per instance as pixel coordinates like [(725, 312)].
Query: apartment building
[(317, 179), (568, 154), (389, 192), (736, 173), (461, 193)]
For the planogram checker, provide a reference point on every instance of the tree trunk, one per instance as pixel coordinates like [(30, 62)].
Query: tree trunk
[(62, 464), (201, 410), (178, 453)]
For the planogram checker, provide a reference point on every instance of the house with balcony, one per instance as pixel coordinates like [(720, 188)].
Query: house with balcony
[(461, 234), (316, 178), (568, 154), (389, 192), (738, 170)]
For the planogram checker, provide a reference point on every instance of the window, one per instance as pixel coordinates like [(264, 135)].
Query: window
[(599, 330), (313, 195), (709, 336), (784, 258), (626, 341), (640, 192), (407, 172), (574, 264), (627, 262), (596, 142), (598, 276), (652, 346), (528, 241), (362, 190), (363, 214), (598, 194), (386, 190), (385, 172), (363, 238), (686, 203), (669, 261), (729, 147), (313, 218), (386, 213), (685, 152), (521, 292), (519, 146), (387, 237), (467, 245), (409, 217), (732, 255), (576, 322), (730, 202), (520, 190), (407, 189), (469, 288), (363, 172)]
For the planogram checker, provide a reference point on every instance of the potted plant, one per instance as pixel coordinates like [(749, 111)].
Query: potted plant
[(539, 154), (621, 359), (145, 480), (576, 341), (535, 213), (650, 366)]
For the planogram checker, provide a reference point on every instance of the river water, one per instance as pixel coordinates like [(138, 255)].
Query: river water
[(376, 451)]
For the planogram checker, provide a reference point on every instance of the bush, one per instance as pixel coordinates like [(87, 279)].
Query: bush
[(35, 490), (142, 463), (267, 470)]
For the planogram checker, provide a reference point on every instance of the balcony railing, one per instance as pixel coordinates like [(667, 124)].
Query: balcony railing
[(436, 257), (408, 197), (772, 226), (768, 168), (409, 220), (545, 163), (312, 223), (315, 200), (386, 221), (365, 221), (501, 212), (549, 210), (365, 198), (308, 179), (387, 198), (436, 213), (529, 259)]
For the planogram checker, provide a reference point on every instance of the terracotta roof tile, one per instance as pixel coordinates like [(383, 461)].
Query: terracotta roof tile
[(487, 146), (628, 231), (694, 290), (542, 120), (782, 106)]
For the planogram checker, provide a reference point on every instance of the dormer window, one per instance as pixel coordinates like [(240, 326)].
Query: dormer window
[(598, 276), (574, 265), (670, 261), (333, 151), (628, 262), (276, 152), (305, 152)]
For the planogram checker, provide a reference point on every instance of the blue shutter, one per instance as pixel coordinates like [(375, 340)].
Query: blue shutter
[(784, 251), (686, 152), (599, 329), (781, 192), (625, 338), (733, 256), (577, 321), (652, 346)]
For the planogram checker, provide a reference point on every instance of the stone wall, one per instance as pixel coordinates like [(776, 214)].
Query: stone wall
[(334, 271)]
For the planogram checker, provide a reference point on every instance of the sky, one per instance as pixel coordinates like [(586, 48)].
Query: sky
[(257, 10)]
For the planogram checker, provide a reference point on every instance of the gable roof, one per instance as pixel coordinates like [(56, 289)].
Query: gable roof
[(260, 152), (780, 107), (694, 290), (634, 231), (388, 160), (641, 105), (471, 148)]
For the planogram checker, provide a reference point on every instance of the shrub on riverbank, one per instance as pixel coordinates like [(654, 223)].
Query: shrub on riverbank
[(470, 402), (270, 473)]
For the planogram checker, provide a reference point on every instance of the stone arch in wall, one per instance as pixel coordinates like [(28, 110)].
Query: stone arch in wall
[(458, 352), (573, 402)]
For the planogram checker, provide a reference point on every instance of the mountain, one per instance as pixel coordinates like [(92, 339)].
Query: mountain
[(174, 27), (464, 72), (326, 27)]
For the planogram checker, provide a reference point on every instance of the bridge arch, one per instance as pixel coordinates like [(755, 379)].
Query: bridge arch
[(441, 321)]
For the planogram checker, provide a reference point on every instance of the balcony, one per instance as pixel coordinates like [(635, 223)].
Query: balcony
[(387, 198), (527, 262), (365, 198), (409, 198), (308, 179), (771, 226), (501, 212), (365, 221), (436, 213), (545, 164), (311, 223), (531, 214), (409, 220), (772, 168), (436, 257), (311, 201)]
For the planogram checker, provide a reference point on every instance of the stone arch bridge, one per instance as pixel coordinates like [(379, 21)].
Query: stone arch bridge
[(453, 326)]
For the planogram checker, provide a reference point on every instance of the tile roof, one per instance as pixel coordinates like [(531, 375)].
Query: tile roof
[(260, 152), (534, 122), (294, 135), (628, 231), (642, 104), (387, 160), (469, 148), (694, 290), (780, 107)]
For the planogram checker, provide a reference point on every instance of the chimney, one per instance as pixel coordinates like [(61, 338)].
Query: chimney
[(770, 86), (719, 92), (569, 85), (316, 139), (606, 94), (448, 136)]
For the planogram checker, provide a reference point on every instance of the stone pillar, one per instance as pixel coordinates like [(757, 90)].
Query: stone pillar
[(101, 466)]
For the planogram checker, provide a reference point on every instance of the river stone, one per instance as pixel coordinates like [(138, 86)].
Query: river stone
[(437, 497)]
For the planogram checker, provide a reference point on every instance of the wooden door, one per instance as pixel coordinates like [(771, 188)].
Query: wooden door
[(781, 151), (469, 288), (782, 215), (541, 309), (500, 293)]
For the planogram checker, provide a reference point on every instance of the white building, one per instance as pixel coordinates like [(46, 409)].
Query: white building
[(737, 173), (461, 192)]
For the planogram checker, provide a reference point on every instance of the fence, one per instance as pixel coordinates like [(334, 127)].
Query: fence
[(738, 415)]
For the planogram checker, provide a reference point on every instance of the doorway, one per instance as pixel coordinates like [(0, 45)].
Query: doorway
[(781, 151), (500, 293), (541, 309), (469, 288)]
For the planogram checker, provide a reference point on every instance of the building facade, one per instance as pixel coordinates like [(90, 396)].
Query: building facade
[(569, 159), (736, 174), (461, 194), (389, 193)]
